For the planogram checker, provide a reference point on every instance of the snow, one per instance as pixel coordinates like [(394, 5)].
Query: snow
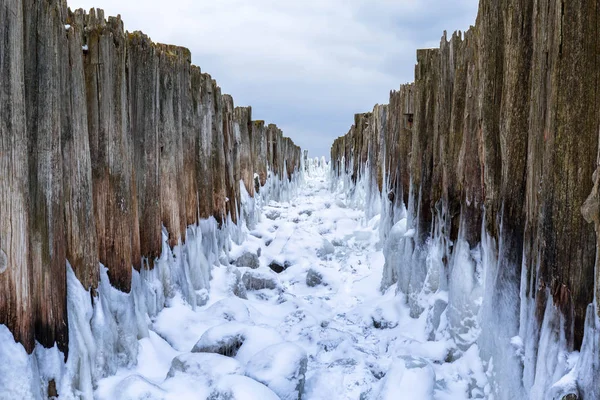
[(354, 311), (237, 387), (205, 364), (17, 371), (353, 336), (282, 368), (413, 377), (356, 342), (237, 340)]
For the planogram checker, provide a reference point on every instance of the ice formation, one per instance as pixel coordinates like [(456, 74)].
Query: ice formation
[(360, 311), (474, 303)]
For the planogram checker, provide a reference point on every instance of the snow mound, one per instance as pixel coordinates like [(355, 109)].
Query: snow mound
[(136, 387), (411, 376), (233, 339), (282, 368), (326, 249), (230, 309)]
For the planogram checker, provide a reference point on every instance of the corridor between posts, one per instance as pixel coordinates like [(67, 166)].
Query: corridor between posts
[(298, 307)]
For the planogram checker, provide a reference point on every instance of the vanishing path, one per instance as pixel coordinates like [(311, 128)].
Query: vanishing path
[(360, 343)]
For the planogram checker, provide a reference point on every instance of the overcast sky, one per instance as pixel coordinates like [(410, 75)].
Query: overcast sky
[(306, 65)]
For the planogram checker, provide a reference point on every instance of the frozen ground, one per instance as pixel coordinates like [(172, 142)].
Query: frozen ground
[(319, 325)]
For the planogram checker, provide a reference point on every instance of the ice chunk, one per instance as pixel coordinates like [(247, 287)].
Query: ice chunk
[(230, 309), (18, 375), (82, 365), (434, 316), (325, 249), (399, 229), (115, 327), (398, 251), (465, 294)]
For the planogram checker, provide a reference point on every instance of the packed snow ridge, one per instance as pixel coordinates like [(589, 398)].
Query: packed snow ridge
[(295, 311)]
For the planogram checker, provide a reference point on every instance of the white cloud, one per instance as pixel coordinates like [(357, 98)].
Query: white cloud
[(308, 65)]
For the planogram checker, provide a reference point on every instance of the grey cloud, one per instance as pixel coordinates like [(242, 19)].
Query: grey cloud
[(307, 66)]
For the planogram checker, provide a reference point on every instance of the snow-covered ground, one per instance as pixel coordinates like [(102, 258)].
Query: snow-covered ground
[(318, 326)]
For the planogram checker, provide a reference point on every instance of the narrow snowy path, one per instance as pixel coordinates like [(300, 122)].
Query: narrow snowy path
[(324, 300)]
